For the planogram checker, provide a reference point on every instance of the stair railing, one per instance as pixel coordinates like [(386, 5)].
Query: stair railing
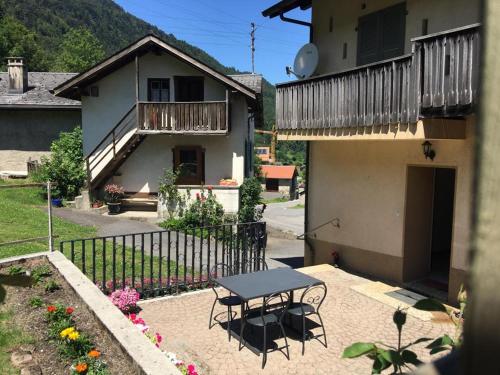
[(110, 145)]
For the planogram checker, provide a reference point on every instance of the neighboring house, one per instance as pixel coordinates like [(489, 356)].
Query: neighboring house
[(31, 117), (280, 178), (264, 154), (150, 108), (389, 116)]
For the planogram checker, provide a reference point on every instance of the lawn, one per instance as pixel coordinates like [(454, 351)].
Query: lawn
[(22, 216), (10, 337), (275, 200)]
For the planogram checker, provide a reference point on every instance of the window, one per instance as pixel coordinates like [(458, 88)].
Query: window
[(189, 161), (158, 89), (381, 35), (189, 89)]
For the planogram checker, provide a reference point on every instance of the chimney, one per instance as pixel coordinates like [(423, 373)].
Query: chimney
[(18, 75)]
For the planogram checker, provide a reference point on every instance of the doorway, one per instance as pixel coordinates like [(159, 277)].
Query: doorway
[(430, 199)]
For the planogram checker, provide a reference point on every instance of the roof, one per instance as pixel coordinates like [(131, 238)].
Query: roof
[(286, 6), (284, 172), (70, 89), (39, 93), (252, 81)]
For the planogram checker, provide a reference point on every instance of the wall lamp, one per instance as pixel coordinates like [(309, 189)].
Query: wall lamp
[(428, 151)]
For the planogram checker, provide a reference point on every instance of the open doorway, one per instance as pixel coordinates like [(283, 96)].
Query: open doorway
[(430, 198)]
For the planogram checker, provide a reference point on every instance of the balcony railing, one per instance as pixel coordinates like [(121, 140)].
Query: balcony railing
[(184, 118), (439, 78)]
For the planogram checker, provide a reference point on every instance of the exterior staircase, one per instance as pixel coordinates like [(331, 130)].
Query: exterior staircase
[(140, 202), (113, 150)]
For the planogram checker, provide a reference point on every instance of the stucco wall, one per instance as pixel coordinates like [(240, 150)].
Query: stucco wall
[(441, 15), (224, 155), (363, 183), (29, 133), (117, 93)]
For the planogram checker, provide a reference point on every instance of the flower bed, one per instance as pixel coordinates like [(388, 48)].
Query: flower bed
[(66, 336)]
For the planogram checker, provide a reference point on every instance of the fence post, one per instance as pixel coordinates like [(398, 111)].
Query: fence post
[(49, 207)]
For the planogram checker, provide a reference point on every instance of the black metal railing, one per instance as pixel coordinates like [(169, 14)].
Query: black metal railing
[(167, 261)]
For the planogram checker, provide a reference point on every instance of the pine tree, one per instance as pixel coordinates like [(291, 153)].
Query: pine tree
[(80, 50)]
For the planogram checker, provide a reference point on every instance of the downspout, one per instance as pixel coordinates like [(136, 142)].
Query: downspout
[(308, 243)]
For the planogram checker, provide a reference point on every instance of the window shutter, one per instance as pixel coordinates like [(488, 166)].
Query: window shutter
[(393, 22), (368, 40)]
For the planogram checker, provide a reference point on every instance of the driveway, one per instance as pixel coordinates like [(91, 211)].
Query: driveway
[(286, 216)]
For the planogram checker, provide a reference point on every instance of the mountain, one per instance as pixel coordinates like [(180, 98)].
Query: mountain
[(115, 28)]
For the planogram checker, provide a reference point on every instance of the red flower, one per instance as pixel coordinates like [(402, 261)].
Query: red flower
[(69, 310), (209, 188), (51, 308)]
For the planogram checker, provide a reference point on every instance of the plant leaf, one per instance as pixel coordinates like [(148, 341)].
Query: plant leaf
[(420, 340), (441, 341), (410, 357), (391, 356), (439, 349), (358, 349), (429, 304), (379, 364)]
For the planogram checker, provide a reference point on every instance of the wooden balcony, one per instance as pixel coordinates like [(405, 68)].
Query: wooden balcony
[(438, 79), (184, 118)]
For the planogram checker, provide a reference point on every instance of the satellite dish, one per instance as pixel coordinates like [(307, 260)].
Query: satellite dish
[(306, 61)]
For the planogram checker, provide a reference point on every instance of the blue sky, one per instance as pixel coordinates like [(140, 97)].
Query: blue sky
[(222, 28)]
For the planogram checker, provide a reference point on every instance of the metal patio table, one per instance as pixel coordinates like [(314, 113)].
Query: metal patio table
[(249, 286)]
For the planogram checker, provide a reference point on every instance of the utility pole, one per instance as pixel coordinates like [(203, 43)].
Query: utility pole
[(252, 45)]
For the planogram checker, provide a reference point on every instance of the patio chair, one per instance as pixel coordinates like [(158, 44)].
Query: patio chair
[(310, 302), (221, 270), (271, 313), (254, 264)]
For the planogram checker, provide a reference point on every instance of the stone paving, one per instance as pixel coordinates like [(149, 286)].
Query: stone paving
[(349, 317)]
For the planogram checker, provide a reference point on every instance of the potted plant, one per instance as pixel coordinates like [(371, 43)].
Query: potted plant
[(114, 194)]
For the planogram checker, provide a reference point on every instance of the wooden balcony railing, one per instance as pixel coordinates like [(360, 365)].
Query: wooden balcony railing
[(439, 78), (184, 118)]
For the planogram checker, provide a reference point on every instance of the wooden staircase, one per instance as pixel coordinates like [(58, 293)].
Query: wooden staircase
[(113, 150)]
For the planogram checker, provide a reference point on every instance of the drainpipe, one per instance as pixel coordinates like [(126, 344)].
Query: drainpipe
[(308, 243)]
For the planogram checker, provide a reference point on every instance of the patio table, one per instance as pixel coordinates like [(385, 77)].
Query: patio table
[(260, 284)]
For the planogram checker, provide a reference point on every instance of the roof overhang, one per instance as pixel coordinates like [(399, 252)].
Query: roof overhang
[(72, 88), (286, 6), (77, 107)]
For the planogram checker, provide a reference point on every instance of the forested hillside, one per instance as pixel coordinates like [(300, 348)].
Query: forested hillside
[(36, 29)]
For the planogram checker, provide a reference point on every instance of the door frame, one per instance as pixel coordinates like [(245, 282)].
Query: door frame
[(405, 190)]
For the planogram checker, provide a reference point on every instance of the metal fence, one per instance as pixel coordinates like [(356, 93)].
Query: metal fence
[(168, 261)]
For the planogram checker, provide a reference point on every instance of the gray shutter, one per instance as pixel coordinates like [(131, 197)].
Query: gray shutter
[(368, 40), (393, 23)]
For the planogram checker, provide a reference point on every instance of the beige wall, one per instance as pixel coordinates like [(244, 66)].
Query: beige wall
[(363, 183), (442, 15)]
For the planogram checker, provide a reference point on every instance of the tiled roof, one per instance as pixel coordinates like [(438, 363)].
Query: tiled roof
[(285, 172), (252, 81), (38, 93)]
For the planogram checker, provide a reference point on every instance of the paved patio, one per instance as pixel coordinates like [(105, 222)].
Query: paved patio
[(356, 309)]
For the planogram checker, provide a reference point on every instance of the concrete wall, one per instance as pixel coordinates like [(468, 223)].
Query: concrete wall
[(224, 155), (441, 15), (29, 133), (363, 183)]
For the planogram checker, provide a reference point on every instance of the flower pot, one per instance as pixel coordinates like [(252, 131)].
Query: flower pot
[(114, 208), (56, 202)]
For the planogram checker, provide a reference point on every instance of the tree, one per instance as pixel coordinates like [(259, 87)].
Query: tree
[(17, 40), (80, 50)]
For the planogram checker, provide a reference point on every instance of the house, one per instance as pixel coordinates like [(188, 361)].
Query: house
[(31, 117), (151, 107), (389, 118), (280, 178)]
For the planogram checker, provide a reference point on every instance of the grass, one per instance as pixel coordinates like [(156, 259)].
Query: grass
[(23, 216), (298, 206), (275, 200), (10, 337)]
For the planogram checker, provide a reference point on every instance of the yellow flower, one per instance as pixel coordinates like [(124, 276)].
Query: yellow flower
[(67, 331), (73, 336)]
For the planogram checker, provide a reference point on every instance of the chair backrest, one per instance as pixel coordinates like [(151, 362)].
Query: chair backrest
[(220, 270), (254, 264), (314, 296), (275, 304)]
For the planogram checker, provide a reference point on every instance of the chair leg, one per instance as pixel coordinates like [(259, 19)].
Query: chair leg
[(286, 341), (303, 334), (323, 327), (229, 314), (264, 354), (211, 315)]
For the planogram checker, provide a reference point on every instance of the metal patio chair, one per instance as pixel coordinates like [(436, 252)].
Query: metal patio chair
[(272, 311), (310, 302), (222, 270), (254, 264)]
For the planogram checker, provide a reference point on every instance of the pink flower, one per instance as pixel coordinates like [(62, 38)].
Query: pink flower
[(125, 299)]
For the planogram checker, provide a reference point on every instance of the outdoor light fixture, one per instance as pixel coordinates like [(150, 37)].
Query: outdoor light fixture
[(428, 151)]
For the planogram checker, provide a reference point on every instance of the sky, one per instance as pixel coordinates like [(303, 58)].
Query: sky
[(222, 29)]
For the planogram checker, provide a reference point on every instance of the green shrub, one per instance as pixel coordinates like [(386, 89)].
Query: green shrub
[(250, 192), (169, 194), (65, 165), (204, 211), (36, 302), (52, 286)]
